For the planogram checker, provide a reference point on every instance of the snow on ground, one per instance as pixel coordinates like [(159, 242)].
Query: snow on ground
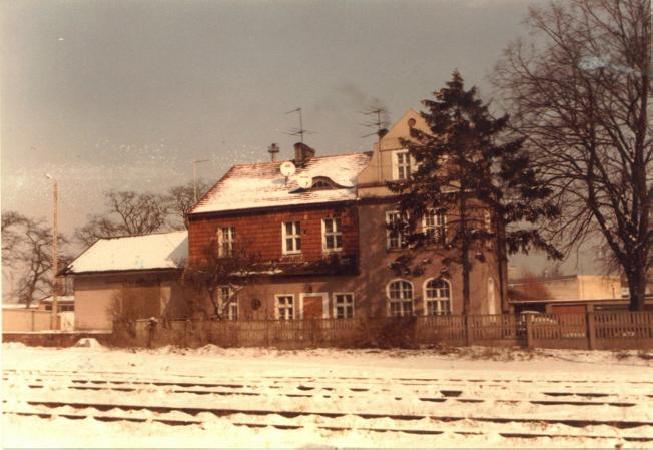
[(490, 384)]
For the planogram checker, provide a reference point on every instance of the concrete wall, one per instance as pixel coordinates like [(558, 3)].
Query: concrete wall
[(25, 319)]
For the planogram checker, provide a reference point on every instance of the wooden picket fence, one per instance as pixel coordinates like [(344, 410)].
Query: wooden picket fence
[(598, 330)]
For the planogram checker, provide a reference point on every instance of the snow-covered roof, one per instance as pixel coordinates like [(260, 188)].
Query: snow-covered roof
[(260, 185), (60, 298), (154, 251)]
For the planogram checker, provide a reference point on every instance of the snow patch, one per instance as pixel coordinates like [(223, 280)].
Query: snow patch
[(89, 343)]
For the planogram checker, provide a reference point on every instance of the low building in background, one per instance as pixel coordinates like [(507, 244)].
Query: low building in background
[(568, 294), (133, 277)]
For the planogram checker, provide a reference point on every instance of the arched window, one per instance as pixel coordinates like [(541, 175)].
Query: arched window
[(437, 297), (400, 298)]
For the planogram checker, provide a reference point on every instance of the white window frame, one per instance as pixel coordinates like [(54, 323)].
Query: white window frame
[(401, 170), (487, 219), (296, 237), (439, 300), (336, 234), (277, 307), (232, 308), (226, 240), (346, 305), (325, 303), (401, 301), (400, 237), (439, 229)]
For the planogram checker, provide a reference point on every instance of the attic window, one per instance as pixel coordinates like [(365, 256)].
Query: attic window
[(322, 183)]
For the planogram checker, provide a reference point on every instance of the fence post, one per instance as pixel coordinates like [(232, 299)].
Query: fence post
[(467, 326), (529, 331), (591, 330), (32, 321)]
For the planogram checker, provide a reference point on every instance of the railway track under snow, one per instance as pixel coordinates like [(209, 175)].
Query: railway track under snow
[(522, 408)]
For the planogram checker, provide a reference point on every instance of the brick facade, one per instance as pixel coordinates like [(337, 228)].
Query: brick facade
[(261, 231)]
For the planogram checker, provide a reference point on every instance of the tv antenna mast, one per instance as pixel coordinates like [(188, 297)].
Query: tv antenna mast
[(301, 130), (377, 120)]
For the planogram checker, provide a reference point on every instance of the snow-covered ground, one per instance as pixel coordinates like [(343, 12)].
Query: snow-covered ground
[(212, 397)]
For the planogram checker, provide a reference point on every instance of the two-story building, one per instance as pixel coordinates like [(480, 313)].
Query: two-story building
[(320, 233), (316, 229)]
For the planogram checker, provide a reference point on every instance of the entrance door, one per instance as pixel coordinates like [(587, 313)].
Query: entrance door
[(312, 308)]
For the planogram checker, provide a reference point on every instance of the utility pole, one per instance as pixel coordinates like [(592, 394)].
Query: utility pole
[(195, 161), (55, 252)]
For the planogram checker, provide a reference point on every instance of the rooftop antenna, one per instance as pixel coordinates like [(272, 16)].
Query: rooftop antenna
[(195, 161), (301, 130), (377, 122), (380, 123)]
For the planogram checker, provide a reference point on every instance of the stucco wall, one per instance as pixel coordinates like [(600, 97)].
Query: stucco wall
[(26, 319), (145, 294)]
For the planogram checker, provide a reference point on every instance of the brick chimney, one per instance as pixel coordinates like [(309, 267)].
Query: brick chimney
[(303, 153)]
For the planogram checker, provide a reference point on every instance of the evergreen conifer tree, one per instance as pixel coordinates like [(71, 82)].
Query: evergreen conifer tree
[(469, 173)]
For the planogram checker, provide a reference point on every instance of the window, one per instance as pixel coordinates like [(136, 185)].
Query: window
[(487, 218), (322, 183), (400, 296), (285, 307), (344, 306), (331, 234), (226, 239), (227, 303), (395, 239), (291, 238), (437, 296), (401, 165), (435, 225)]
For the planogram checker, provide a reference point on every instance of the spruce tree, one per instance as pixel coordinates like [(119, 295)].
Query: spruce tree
[(480, 180)]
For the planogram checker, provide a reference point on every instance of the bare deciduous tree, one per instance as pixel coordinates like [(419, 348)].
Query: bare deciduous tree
[(180, 199), (581, 93), (215, 268), (128, 214), (27, 250)]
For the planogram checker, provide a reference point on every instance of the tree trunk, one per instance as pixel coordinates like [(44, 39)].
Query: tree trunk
[(637, 287), (502, 265), (466, 266), (466, 270)]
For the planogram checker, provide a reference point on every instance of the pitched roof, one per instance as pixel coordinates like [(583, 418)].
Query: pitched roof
[(154, 251), (262, 184)]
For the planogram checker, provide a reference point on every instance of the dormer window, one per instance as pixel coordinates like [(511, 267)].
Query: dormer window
[(322, 183)]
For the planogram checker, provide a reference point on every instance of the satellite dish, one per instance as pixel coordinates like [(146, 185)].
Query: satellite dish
[(287, 168), (304, 181)]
